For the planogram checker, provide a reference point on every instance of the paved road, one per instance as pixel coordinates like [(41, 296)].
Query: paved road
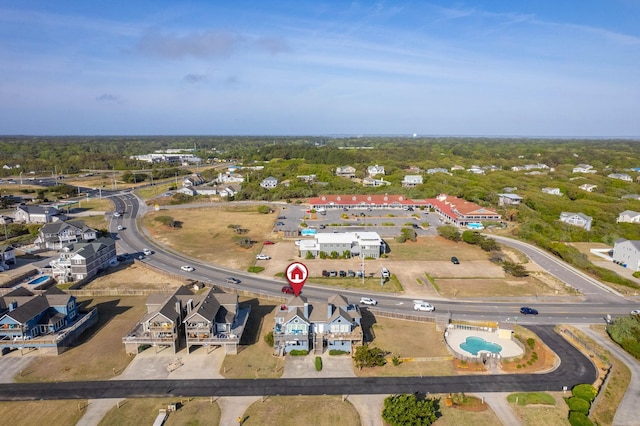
[(574, 368)]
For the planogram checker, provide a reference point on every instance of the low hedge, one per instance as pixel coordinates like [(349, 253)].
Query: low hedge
[(337, 352), (579, 405), (298, 352), (318, 363), (579, 419), (585, 391)]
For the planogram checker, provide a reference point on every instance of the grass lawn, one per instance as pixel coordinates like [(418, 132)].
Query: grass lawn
[(406, 339), (434, 248), (455, 417), (203, 231), (255, 358), (99, 352), (29, 413), (370, 284), (540, 408), (502, 287), (155, 190), (302, 410), (527, 398), (143, 411)]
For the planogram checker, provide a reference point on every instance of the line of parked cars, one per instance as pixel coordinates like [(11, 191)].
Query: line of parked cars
[(333, 273)]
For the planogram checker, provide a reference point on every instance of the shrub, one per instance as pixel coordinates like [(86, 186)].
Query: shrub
[(578, 404), (255, 269), (585, 391), (396, 361), (531, 342), (579, 419), (318, 363), (298, 352), (337, 352), (268, 338), (309, 255)]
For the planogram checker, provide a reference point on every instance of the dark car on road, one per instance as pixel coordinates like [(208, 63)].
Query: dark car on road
[(455, 260), (233, 280), (525, 310), (287, 290), (325, 273)]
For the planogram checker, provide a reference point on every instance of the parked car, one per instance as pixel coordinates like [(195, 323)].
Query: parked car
[(359, 274), (525, 310), (325, 273), (322, 226), (282, 217), (351, 273), (298, 242), (343, 274), (187, 268), (147, 252), (233, 280), (635, 312), (423, 306), (262, 257), (455, 260), (120, 227), (268, 243), (368, 301), (287, 290), (279, 223), (333, 273)]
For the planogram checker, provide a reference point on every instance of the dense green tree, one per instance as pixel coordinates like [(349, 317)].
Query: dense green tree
[(410, 410)]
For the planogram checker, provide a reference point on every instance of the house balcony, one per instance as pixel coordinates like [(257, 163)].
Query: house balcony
[(160, 328), (352, 336), (198, 328), (218, 339)]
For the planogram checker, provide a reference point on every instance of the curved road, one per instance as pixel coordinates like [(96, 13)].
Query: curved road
[(598, 301), (574, 368)]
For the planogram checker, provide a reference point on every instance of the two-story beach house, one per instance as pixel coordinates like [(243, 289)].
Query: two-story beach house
[(348, 172), (300, 325), (375, 170), (627, 253), (55, 235), (629, 216), (576, 219), (79, 261), (509, 199), (269, 182), (25, 315), (36, 214), (411, 181), (210, 319)]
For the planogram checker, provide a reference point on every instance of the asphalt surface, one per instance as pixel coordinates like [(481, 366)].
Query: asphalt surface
[(573, 369)]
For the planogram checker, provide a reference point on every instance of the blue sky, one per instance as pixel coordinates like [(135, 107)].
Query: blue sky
[(522, 68)]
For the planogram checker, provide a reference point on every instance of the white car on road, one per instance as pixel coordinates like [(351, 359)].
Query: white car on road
[(262, 257), (423, 306), (147, 252), (187, 268), (368, 301)]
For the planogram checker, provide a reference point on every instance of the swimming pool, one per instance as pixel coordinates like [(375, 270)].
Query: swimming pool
[(475, 226), (473, 345), (41, 279)]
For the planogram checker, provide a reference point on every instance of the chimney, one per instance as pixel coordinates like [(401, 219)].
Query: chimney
[(306, 310), (13, 305), (329, 310), (189, 306)]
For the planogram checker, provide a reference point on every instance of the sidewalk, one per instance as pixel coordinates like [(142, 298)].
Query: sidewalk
[(627, 412)]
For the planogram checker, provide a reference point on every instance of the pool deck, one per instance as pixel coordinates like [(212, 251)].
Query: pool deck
[(456, 336)]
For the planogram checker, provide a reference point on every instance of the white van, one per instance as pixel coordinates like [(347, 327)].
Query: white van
[(385, 273)]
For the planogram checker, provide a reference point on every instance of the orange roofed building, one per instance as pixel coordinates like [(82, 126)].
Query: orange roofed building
[(455, 210)]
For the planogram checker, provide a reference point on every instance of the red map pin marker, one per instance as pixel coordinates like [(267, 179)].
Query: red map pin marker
[(297, 274)]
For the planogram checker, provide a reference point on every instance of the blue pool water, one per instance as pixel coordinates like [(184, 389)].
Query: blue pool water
[(39, 280), (473, 345), (475, 226)]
